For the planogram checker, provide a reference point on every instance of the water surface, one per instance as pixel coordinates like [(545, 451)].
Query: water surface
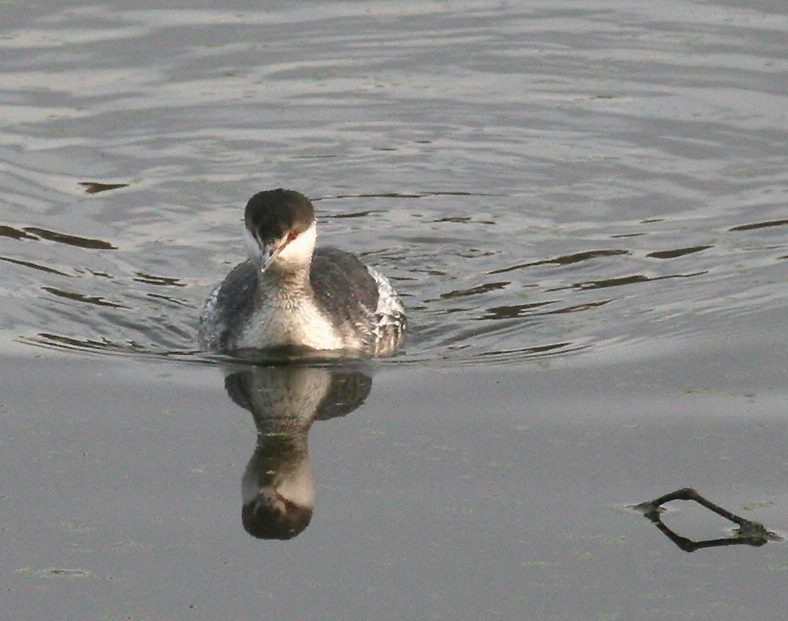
[(584, 209)]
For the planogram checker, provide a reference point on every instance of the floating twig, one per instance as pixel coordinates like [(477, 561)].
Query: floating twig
[(748, 532)]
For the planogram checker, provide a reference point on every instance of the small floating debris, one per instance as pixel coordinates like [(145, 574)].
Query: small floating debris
[(54, 572), (748, 532), (94, 187)]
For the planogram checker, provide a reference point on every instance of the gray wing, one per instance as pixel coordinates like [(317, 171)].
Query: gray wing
[(228, 307), (344, 288)]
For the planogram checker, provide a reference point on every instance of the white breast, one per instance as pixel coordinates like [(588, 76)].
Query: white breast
[(291, 322)]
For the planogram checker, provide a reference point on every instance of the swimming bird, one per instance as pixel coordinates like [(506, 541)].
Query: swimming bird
[(289, 294)]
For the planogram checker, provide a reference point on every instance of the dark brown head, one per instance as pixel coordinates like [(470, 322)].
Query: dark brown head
[(274, 220)]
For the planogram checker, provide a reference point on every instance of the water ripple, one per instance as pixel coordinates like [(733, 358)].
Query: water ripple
[(624, 170)]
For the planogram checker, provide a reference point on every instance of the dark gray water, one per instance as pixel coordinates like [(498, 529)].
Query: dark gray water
[(584, 209)]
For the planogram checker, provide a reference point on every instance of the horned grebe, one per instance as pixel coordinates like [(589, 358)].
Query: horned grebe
[(290, 295)]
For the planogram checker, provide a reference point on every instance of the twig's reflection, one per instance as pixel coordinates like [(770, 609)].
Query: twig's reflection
[(277, 486), (748, 532)]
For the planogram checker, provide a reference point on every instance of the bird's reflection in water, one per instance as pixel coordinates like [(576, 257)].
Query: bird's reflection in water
[(277, 488)]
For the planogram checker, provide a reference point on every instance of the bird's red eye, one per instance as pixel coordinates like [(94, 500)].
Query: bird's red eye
[(291, 236)]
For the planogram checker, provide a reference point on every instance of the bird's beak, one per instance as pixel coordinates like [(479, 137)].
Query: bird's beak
[(273, 249), (270, 251)]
